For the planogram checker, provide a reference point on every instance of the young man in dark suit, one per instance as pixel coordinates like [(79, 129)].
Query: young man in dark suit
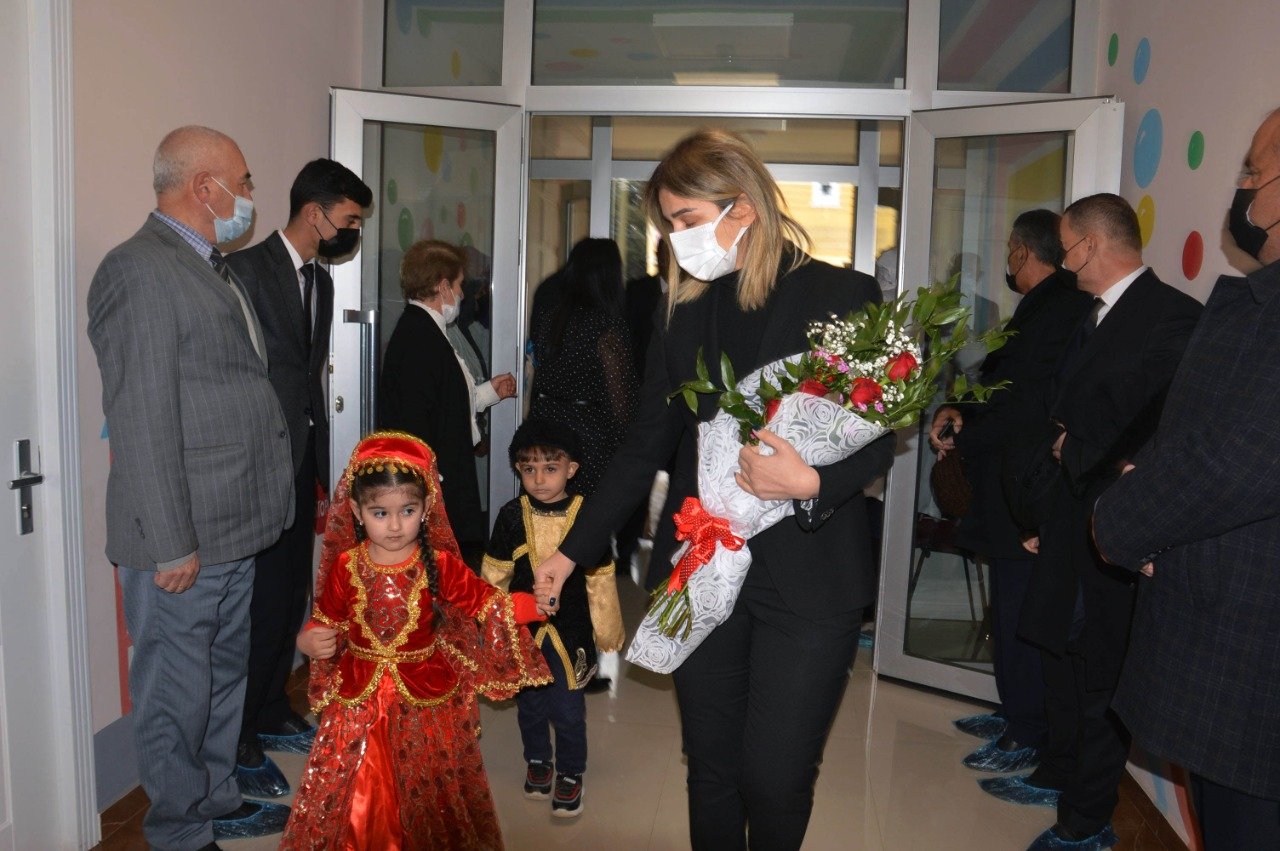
[(293, 297), (1044, 320), (1199, 514), (1108, 393)]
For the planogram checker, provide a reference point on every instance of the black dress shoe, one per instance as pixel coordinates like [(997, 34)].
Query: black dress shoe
[(595, 685), (250, 820), (212, 846), (289, 727), (249, 754)]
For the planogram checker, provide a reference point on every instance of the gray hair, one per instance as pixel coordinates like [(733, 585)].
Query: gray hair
[(183, 152)]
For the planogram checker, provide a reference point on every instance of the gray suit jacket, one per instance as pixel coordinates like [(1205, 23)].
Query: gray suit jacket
[(200, 450)]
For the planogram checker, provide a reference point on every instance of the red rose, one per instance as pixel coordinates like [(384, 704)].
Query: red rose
[(865, 392), (900, 367), (771, 408), (813, 387)]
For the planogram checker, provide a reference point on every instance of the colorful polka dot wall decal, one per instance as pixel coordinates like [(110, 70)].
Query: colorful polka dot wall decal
[(1146, 148), (584, 53), (443, 216), (404, 15), (462, 215), (1141, 61), (393, 191), (1195, 150), (455, 64), (466, 240), (446, 169), (424, 23), (1113, 49), (1146, 218), (432, 149), (404, 229), (564, 67), (1192, 255)]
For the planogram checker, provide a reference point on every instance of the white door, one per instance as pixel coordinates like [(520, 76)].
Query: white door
[(970, 173), (45, 774), (443, 169)]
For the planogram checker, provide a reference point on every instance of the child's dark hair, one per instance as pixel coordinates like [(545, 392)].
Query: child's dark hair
[(539, 439), (365, 486)]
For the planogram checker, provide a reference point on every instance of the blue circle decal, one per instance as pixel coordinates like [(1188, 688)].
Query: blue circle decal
[(1141, 61), (1146, 148)]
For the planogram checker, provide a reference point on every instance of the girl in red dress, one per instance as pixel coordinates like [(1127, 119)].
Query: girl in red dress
[(402, 637)]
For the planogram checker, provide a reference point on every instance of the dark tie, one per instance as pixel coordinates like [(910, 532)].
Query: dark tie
[(308, 288), (1090, 323), (1077, 342), (219, 264)]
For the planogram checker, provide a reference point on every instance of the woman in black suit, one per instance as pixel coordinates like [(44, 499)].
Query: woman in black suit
[(758, 696), (426, 389)]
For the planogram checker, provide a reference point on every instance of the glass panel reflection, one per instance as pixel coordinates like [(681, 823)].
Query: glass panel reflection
[(981, 184), (442, 43), (720, 43), (1005, 45)]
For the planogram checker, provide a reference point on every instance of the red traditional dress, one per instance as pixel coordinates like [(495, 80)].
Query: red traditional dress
[(396, 765)]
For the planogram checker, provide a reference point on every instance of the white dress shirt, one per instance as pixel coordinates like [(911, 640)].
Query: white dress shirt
[(481, 396), (1113, 292)]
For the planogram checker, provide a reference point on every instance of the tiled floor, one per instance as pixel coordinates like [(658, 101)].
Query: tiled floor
[(891, 779)]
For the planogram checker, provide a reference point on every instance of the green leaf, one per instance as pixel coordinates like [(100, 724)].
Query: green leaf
[(691, 399), (701, 367), (726, 372)]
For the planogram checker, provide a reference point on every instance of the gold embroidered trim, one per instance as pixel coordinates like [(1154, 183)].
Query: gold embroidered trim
[(506, 611), (392, 569), (530, 534)]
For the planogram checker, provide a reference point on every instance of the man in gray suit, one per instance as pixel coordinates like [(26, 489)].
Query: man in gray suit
[(201, 479)]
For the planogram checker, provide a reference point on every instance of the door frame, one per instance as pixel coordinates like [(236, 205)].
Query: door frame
[(349, 109), (1094, 155)]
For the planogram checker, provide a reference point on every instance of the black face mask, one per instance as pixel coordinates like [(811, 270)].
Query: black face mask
[(340, 244), (1248, 236), (1011, 278)]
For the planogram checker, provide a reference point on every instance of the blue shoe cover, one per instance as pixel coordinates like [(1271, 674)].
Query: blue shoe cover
[(268, 819), (1016, 790), (989, 757), (1050, 841), (986, 726), (265, 781), (299, 743)]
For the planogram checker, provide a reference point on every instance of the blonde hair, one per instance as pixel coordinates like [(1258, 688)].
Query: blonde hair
[(718, 166)]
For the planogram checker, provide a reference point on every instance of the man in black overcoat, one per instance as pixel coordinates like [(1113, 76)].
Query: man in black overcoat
[(1044, 320), (1201, 511), (293, 297), (1108, 393)]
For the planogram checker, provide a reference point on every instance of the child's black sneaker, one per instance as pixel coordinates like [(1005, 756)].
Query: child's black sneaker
[(537, 780), (567, 801)]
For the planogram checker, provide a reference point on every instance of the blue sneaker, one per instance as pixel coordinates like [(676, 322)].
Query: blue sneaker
[(1002, 755), (1052, 840), (1016, 790), (250, 820), (986, 726)]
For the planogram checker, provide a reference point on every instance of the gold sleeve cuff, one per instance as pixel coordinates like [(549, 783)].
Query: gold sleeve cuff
[(606, 612), (497, 573)]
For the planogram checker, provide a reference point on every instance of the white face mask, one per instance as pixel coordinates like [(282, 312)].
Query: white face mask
[(449, 310), (699, 253)]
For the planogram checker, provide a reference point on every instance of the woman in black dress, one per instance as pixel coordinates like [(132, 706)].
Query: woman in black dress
[(758, 696), (584, 375)]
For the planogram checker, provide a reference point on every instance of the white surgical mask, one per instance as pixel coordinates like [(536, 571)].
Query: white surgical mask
[(449, 310), (699, 253), (225, 230)]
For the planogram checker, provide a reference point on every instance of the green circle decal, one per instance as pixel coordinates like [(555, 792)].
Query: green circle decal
[(393, 191), (404, 229), (1113, 49), (1195, 150)]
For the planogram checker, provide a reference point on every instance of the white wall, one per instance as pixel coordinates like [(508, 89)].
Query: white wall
[(257, 70), (1213, 68)]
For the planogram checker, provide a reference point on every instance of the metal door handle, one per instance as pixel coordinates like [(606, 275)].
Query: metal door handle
[(23, 484)]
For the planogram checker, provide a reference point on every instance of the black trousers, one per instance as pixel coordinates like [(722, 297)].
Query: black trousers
[(1086, 746), (757, 699), (554, 707), (1231, 820), (281, 588), (1019, 680)]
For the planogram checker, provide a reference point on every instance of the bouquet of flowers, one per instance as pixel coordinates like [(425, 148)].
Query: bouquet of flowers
[(863, 376)]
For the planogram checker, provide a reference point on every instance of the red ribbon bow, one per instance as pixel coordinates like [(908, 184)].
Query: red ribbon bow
[(703, 531)]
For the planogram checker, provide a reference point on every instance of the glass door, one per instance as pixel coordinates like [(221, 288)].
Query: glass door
[(971, 172), (435, 166)]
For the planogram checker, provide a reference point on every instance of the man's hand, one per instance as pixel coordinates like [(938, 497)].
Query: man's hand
[(549, 579), (175, 580), (1057, 446), (319, 642), (1148, 570), (943, 445), (504, 385), (782, 475), (1031, 544)]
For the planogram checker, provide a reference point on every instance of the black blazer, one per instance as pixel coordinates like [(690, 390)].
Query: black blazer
[(1043, 322), (269, 277), (820, 560), (1201, 683), (424, 392), (1109, 399)]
